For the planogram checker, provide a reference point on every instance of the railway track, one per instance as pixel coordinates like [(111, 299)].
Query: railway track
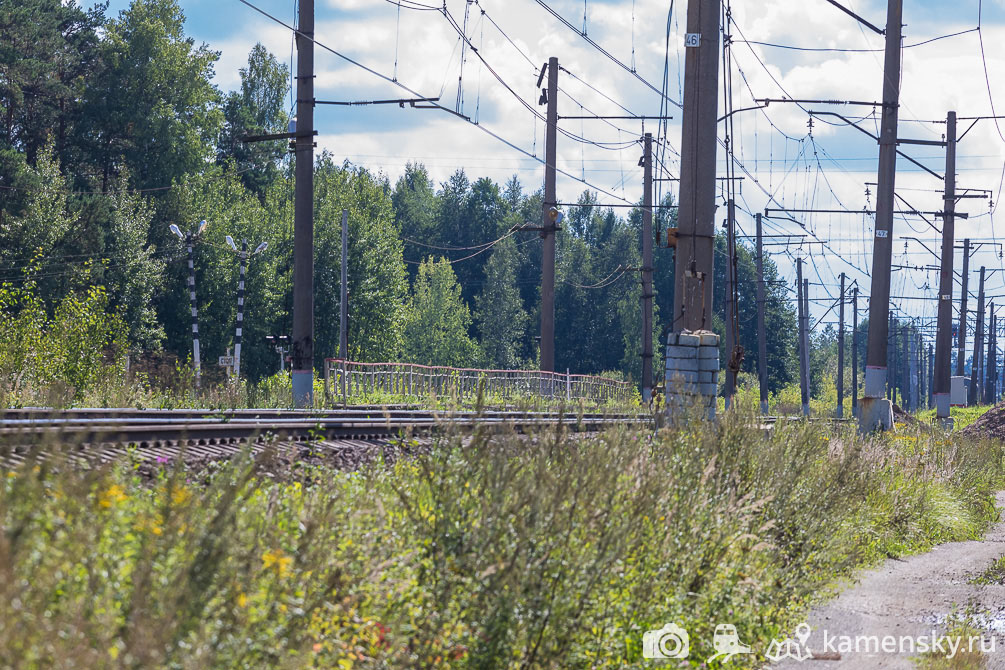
[(102, 435)]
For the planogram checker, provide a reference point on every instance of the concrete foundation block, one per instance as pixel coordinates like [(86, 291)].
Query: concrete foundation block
[(958, 390), (685, 364), (875, 414), (678, 351), (708, 352), (708, 364), (708, 389), (709, 339), (677, 377), (687, 340)]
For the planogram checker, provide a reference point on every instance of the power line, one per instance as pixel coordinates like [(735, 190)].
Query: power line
[(434, 105)]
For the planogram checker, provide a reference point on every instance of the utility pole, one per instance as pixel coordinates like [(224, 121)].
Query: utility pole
[(729, 388), (910, 370), (804, 389), (302, 367), (840, 379), (891, 357), (989, 368), (343, 319), (992, 384), (854, 351), (647, 269), (944, 328), (931, 377), (879, 296), (549, 225), (975, 365), (961, 335), (696, 213), (806, 343), (762, 344), (343, 312)]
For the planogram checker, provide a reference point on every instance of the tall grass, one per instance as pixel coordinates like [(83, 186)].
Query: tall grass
[(495, 550)]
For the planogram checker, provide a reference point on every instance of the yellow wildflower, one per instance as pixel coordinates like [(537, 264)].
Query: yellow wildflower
[(242, 600), (114, 494), (276, 559), (180, 496)]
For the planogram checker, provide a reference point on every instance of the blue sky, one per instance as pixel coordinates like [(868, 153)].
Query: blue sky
[(828, 170)]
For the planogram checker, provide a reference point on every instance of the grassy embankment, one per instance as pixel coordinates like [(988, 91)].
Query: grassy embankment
[(498, 552)]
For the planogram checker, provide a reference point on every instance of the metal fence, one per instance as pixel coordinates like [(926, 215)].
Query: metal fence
[(345, 379)]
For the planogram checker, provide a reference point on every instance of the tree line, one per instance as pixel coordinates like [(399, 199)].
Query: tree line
[(111, 130)]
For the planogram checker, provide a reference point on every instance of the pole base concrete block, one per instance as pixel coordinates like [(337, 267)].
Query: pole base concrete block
[(875, 414)]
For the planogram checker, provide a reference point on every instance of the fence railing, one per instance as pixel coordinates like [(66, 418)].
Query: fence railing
[(345, 379)]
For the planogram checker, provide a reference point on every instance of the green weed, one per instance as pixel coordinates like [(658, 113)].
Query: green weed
[(494, 550)]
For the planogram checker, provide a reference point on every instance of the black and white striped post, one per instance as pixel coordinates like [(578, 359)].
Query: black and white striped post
[(196, 363), (239, 331), (190, 239), (240, 309)]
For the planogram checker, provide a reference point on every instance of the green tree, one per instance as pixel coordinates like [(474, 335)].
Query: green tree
[(437, 323), (258, 108), (134, 273), (779, 314), (502, 320), (377, 281), (48, 52), (219, 197), (598, 317), (415, 211), (153, 108)]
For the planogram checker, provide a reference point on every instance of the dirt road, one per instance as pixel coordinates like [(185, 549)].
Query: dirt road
[(909, 598)]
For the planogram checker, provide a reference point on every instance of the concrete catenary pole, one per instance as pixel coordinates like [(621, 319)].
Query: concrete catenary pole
[(974, 396), (762, 343), (647, 269), (911, 369), (961, 335), (549, 225), (302, 347), (343, 320), (879, 295), (840, 377), (944, 326), (931, 376), (854, 351), (696, 213), (729, 388), (806, 343), (804, 389), (989, 368)]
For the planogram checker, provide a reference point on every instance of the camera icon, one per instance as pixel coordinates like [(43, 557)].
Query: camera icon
[(670, 641)]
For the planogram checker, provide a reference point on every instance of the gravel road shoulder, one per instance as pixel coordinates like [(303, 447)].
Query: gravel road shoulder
[(911, 598)]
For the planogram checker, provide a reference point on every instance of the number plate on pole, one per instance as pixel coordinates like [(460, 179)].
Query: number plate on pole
[(692, 39), (226, 361)]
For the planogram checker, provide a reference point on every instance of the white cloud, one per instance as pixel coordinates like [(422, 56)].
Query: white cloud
[(943, 75)]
